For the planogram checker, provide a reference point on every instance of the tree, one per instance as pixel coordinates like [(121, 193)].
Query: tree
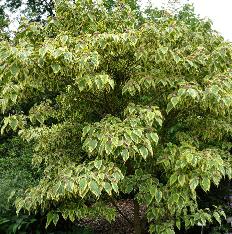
[(4, 22), (40, 9), (120, 104), (35, 10)]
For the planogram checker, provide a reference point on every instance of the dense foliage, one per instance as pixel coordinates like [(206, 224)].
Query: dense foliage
[(4, 22), (16, 175), (118, 103), (39, 10)]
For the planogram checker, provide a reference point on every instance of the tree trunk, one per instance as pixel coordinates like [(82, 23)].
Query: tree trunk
[(137, 224)]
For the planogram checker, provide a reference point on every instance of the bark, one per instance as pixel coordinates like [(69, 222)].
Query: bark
[(137, 223)]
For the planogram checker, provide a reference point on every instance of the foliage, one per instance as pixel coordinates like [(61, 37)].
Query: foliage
[(16, 224), (16, 174), (41, 9), (120, 103), (3, 24)]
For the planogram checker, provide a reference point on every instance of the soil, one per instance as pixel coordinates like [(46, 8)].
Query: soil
[(120, 225)]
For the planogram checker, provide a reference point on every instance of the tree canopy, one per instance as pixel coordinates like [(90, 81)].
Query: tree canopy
[(41, 9), (120, 103), (4, 23)]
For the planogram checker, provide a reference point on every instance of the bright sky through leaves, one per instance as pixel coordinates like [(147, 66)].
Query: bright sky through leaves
[(218, 11)]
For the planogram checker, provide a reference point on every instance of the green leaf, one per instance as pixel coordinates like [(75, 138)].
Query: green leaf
[(109, 148), (129, 187), (117, 176), (178, 224), (169, 107), (205, 184), (181, 180), (175, 101), (159, 121), (181, 92), (154, 136), (94, 188), (164, 50), (14, 97), (3, 220), (59, 187), (99, 83), (189, 158), (52, 217), (193, 183), (217, 217), (64, 39), (115, 187), (14, 69), (222, 213), (85, 130), (175, 197), (193, 93), (49, 218), (169, 231), (43, 51), (98, 164), (108, 188), (125, 154), (153, 190), (71, 214), (215, 89), (190, 63), (56, 53), (92, 144), (143, 151), (111, 83), (152, 228), (83, 183), (13, 123), (173, 179), (158, 195), (177, 58), (134, 138), (55, 218), (70, 186), (138, 132), (115, 141), (56, 67), (40, 118)]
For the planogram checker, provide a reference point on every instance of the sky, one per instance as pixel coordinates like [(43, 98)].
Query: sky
[(219, 11)]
